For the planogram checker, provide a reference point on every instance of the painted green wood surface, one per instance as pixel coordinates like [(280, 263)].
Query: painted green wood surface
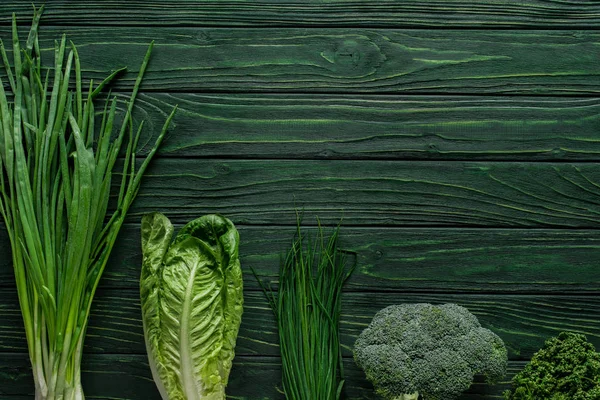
[(375, 127), (343, 60), (523, 321), (385, 13), (387, 193), (452, 188), (120, 377), (409, 260)]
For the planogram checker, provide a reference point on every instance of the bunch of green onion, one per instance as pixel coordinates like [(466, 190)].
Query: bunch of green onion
[(307, 307), (55, 184)]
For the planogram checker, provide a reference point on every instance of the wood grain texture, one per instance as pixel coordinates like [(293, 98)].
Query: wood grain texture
[(342, 60), (407, 260), (480, 194), (424, 140), (120, 377), (374, 127), (523, 322), (383, 13)]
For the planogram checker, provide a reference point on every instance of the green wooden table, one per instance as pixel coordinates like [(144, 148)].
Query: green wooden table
[(459, 140)]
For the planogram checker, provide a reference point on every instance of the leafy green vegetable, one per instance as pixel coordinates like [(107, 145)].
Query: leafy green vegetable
[(56, 168), (191, 292), (427, 351), (307, 308), (566, 368)]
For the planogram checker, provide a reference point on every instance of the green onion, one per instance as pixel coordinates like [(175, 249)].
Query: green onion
[(55, 184), (308, 308)]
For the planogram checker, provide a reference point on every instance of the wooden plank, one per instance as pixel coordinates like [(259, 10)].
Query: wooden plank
[(384, 13), (524, 322), (342, 60), (448, 260), (117, 377), (375, 193), (486, 194), (375, 127)]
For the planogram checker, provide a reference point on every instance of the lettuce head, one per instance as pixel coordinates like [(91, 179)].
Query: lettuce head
[(191, 296)]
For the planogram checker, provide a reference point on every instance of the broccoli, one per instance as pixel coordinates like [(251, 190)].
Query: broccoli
[(566, 368), (427, 351)]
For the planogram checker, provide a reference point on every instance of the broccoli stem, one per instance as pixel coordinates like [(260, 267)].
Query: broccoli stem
[(409, 396)]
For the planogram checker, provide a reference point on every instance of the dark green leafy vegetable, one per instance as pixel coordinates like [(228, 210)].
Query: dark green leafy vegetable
[(425, 351), (56, 168), (192, 300), (307, 308), (566, 368)]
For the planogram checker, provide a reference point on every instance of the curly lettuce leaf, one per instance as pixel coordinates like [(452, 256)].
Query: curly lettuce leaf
[(191, 293)]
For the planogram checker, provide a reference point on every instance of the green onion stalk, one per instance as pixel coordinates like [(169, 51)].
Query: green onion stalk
[(57, 165)]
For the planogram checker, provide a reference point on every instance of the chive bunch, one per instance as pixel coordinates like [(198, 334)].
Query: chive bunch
[(56, 170), (307, 307)]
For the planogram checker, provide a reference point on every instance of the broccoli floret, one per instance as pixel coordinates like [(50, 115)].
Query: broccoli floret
[(427, 351), (566, 368)]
